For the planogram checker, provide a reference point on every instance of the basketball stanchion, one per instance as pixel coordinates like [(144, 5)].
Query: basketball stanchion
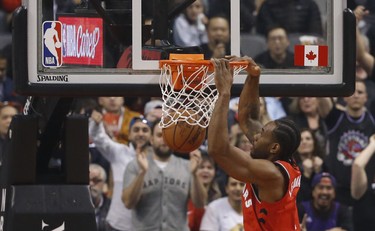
[(188, 90)]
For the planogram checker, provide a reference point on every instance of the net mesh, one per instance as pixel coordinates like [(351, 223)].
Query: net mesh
[(189, 93)]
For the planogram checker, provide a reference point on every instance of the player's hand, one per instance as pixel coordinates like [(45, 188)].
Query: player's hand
[(96, 116), (142, 158), (223, 75), (252, 69), (195, 160)]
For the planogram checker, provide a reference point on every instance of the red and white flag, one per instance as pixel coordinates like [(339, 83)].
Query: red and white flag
[(310, 55)]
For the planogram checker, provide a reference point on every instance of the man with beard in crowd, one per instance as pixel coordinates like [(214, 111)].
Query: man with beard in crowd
[(158, 185)]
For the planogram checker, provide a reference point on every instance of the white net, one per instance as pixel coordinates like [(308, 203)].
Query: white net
[(189, 96)]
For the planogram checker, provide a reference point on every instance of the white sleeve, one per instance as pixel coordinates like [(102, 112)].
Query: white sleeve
[(209, 220), (106, 146)]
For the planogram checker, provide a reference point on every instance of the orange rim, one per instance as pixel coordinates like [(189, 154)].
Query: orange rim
[(194, 63)]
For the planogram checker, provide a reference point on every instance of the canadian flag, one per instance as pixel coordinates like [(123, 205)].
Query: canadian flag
[(310, 55)]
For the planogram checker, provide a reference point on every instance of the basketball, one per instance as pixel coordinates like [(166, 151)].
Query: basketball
[(183, 137)]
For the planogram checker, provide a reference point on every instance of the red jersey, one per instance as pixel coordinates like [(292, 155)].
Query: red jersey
[(278, 216)]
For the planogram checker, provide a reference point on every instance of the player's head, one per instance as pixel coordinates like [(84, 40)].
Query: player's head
[(278, 140)]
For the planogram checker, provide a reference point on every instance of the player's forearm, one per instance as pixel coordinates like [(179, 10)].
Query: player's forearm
[(249, 105), (218, 137), (132, 193)]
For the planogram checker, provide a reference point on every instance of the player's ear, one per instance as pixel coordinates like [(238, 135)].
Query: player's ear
[(275, 148)]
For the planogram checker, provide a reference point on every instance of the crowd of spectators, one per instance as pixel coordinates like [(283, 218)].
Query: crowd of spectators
[(136, 181)]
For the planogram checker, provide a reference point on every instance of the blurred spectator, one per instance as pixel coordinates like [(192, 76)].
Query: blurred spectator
[(206, 173), (189, 28), (65, 6), (363, 188), (310, 162), (101, 203), (364, 58), (349, 131), (247, 12), (277, 55), (296, 16), (275, 107), (243, 143), (6, 83), (225, 214), (153, 110), (119, 155), (7, 111), (323, 212), (158, 185), (116, 118), (309, 112), (218, 33), (85, 106)]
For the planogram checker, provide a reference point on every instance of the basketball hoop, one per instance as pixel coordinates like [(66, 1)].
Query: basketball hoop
[(188, 89)]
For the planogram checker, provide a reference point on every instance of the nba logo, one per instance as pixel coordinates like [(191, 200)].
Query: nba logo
[(52, 50)]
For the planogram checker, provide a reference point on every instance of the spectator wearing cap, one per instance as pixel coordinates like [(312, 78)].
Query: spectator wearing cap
[(119, 155), (153, 110), (323, 212)]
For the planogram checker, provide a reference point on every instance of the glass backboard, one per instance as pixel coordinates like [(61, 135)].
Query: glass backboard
[(112, 47)]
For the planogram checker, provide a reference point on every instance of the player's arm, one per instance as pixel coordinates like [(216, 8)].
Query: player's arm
[(249, 104), (359, 182), (234, 161)]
